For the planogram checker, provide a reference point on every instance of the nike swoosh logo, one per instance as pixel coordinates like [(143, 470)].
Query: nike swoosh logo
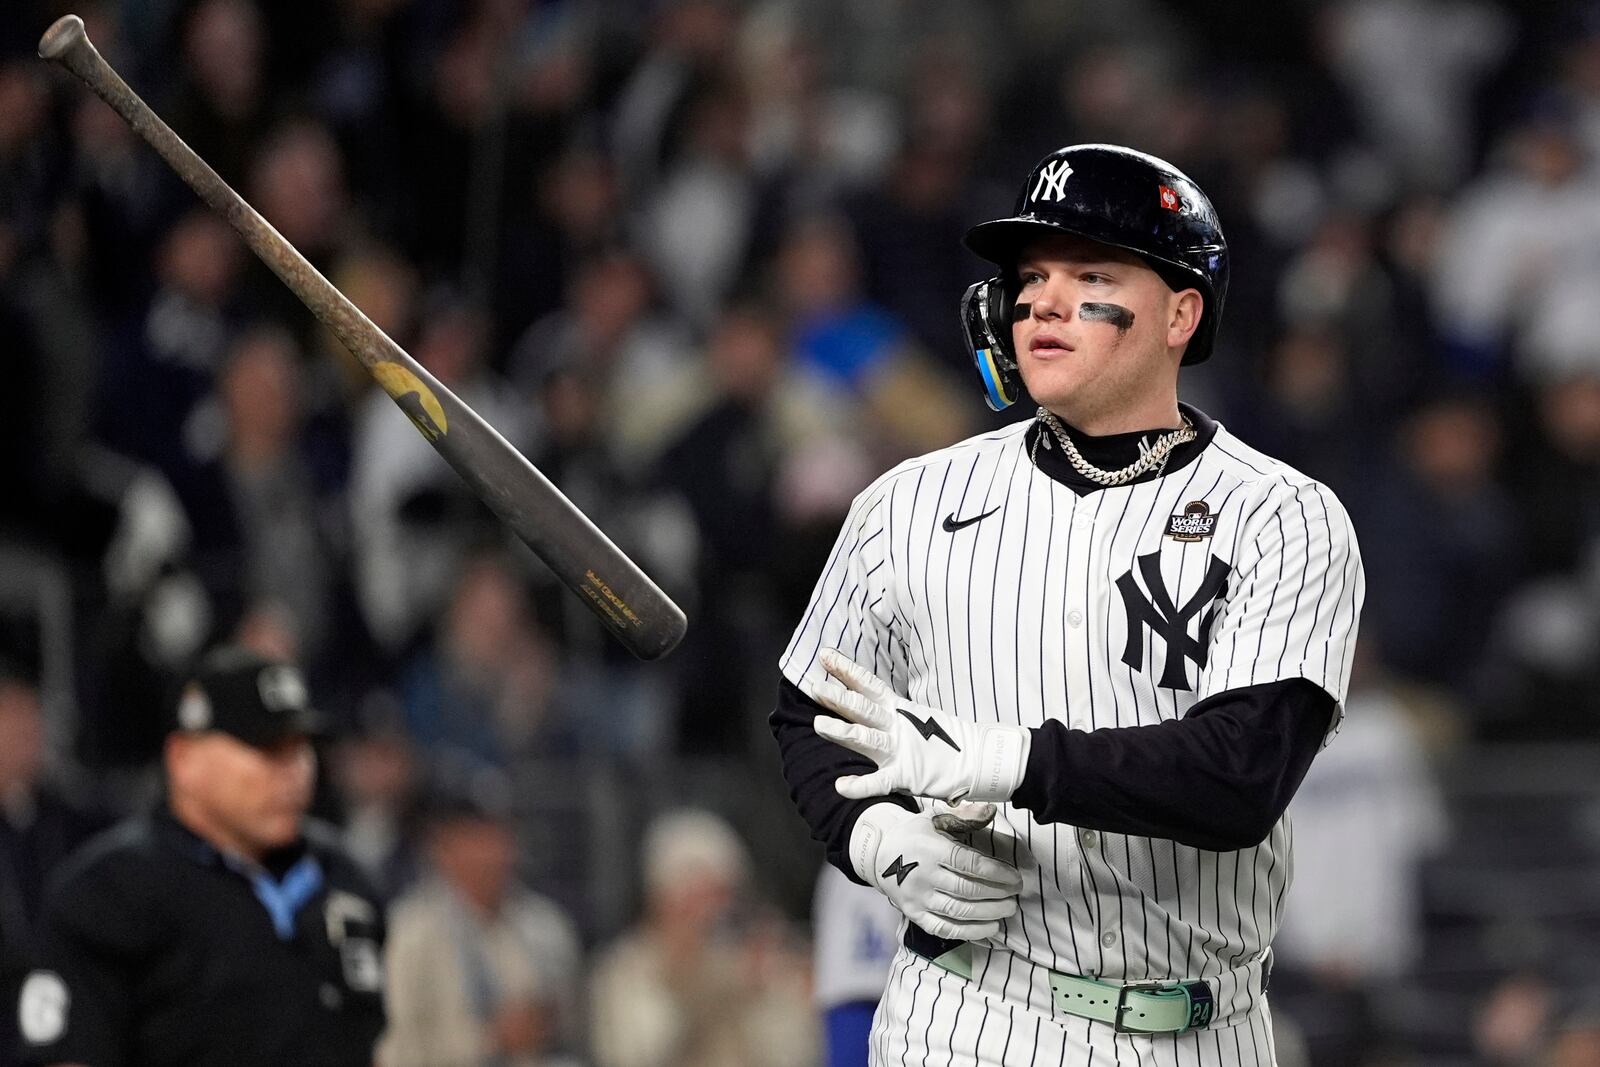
[(928, 728), (899, 869), (952, 524)]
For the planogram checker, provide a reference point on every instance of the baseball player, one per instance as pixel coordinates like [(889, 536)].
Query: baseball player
[(1114, 635), (857, 932)]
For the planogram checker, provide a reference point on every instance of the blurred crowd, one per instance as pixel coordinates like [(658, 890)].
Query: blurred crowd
[(699, 260)]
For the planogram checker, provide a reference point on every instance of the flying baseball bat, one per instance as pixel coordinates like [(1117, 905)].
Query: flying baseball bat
[(611, 585)]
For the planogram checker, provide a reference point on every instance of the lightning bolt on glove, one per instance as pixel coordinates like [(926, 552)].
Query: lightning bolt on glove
[(919, 750), (945, 886)]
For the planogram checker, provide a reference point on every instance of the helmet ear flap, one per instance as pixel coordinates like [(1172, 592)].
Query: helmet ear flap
[(986, 320)]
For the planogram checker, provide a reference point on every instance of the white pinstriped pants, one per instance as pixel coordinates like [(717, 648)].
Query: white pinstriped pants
[(929, 1017)]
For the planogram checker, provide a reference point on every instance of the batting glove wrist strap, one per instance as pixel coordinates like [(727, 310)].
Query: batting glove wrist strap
[(947, 887), (1002, 759), (872, 826), (919, 750)]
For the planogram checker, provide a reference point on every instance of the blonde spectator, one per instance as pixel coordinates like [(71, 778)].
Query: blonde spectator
[(692, 986)]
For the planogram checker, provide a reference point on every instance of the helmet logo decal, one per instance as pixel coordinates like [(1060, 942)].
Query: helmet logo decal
[(1169, 199), (1052, 183)]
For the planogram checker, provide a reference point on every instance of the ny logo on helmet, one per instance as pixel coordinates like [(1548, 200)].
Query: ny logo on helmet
[(1052, 183)]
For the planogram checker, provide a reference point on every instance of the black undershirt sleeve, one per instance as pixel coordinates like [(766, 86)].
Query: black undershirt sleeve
[(1218, 779), (811, 764)]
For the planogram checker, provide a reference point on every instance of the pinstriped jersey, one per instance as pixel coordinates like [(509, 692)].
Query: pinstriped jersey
[(976, 583)]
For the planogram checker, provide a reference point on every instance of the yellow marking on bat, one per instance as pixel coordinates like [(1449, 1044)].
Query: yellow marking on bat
[(414, 398), (622, 605), (610, 613)]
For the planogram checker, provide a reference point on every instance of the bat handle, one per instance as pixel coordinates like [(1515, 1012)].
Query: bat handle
[(64, 34)]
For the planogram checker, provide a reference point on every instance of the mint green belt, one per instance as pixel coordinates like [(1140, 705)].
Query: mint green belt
[(1132, 1008)]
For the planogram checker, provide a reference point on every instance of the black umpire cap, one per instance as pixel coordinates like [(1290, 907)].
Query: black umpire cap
[(258, 700)]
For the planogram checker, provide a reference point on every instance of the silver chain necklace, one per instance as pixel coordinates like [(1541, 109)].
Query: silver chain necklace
[(1156, 455)]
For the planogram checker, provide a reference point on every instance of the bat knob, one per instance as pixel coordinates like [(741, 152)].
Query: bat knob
[(64, 34)]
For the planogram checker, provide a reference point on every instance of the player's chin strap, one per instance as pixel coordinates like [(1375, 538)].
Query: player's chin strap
[(986, 319), (1129, 1008)]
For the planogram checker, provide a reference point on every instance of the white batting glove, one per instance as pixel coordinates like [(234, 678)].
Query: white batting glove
[(948, 888), (919, 750)]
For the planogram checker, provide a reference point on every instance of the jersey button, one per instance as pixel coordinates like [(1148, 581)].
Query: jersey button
[(1079, 724), (1089, 837), (1080, 521), (1074, 618), (330, 996), (1108, 939)]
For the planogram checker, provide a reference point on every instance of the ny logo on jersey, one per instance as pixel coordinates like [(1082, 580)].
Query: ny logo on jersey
[(1052, 183), (1168, 622)]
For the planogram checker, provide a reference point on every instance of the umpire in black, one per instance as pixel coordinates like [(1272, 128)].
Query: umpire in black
[(222, 928)]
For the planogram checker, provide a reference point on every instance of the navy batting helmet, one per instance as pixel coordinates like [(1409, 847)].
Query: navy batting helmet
[(1109, 194)]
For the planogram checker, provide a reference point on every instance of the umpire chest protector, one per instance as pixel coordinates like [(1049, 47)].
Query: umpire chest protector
[(1109, 194)]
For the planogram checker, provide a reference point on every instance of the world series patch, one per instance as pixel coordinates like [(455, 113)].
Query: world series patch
[(1194, 523)]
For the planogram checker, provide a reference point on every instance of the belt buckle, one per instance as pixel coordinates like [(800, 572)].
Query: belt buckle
[(1122, 1002)]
